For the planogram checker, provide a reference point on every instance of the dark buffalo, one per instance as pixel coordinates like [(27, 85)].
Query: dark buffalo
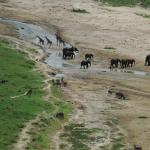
[(147, 60)]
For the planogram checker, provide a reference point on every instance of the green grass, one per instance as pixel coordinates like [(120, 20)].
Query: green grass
[(41, 136), (117, 143), (129, 3), (17, 69), (79, 136), (56, 92)]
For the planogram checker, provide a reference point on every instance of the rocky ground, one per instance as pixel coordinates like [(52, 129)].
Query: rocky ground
[(118, 123)]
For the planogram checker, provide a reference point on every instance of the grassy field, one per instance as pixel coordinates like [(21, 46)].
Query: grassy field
[(41, 135), (17, 69), (130, 3)]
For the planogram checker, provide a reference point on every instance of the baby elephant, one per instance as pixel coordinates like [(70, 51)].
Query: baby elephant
[(120, 95)]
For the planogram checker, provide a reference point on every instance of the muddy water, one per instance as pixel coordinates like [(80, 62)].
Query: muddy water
[(29, 32)]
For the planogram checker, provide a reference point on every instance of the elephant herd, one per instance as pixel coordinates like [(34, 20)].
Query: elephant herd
[(69, 53), (123, 63)]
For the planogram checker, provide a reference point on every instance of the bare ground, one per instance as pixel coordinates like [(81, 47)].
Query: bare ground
[(103, 26)]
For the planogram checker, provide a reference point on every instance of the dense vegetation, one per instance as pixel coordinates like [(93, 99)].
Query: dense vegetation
[(14, 112), (143, 3)]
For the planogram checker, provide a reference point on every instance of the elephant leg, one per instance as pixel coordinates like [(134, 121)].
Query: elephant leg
[(87, 66)]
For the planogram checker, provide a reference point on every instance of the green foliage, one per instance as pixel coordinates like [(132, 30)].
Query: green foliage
[(56, 91), (15, 112), (50, 124), (130, 3), (79, 136)]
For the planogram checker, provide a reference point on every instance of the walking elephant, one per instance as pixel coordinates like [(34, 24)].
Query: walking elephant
[(89, 56), (147, 60), (114, 62), (85, 64)]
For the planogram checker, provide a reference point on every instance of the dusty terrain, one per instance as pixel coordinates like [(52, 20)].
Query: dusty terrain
[(102, 27)]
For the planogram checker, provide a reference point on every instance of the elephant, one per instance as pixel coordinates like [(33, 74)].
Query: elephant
[(89, 56), (130, 62), (69, 52), (114, 62), (147, 60), (68, 55), (124, 63), (85, 64)]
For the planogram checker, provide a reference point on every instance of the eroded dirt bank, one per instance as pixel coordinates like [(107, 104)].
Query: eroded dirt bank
[(116, 121)]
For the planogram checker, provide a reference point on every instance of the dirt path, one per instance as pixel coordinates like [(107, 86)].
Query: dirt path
[(128, 35), (25, 137)]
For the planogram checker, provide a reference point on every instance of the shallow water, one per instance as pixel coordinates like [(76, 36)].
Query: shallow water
[(29, 32)]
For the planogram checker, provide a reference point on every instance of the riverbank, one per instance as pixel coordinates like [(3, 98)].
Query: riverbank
[(23, 111), (106, 32)]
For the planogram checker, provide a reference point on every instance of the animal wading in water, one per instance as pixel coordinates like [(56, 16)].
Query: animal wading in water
[(41, 41), (49, 42), (68, 53), (147, 60), (85, 64)]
